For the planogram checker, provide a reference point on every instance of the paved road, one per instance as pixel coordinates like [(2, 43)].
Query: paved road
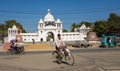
[(85, 60)]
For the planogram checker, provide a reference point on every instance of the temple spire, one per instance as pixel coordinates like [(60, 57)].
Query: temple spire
[(48, 10)]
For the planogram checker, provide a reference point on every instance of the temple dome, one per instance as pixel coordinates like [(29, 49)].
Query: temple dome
[(49, 17), (40, 21), (58, 21)]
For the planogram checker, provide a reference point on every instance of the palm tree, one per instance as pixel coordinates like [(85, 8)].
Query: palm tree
[(73, 27)]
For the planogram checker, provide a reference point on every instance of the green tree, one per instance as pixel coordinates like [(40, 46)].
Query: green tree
[(101, 28), (87, 24), (105, 27), (73, 26), (114, 22), (8, 24), (3, 32), (65, 30)]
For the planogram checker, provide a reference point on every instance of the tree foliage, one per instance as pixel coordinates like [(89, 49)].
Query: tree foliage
[(65, 30), (2, 32), (102, 27), (114, 22), (106, 27), (74, 25), (87, 24), (8, 24)]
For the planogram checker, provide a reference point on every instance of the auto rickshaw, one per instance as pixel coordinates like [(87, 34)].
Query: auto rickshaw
[(108, 41)]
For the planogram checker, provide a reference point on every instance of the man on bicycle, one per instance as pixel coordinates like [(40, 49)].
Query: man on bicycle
[(12, 42), (62, 51), (59, 44)]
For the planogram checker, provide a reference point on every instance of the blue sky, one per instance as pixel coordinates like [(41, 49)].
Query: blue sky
[(28, 12)]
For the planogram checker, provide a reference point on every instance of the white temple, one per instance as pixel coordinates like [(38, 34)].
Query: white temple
[(47, 31)]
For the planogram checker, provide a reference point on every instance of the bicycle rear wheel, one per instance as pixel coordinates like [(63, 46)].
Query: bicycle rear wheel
[(69, 59), (21, 50)]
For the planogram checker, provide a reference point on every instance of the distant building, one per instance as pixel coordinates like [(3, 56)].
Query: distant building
[(92, 37), (47, 31)]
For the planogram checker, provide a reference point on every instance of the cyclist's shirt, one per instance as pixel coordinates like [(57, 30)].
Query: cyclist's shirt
[(59, 43)]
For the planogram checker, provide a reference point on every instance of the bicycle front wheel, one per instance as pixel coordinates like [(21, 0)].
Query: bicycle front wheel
[(69, 59), (56, 56), (10, 51)]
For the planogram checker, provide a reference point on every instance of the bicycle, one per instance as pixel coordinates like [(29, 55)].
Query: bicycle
[(59, 55), (11, 51)]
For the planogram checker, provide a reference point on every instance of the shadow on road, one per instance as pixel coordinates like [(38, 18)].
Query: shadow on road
[(63, 62)]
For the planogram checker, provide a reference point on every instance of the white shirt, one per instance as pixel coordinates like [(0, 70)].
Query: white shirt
[(59, 43)]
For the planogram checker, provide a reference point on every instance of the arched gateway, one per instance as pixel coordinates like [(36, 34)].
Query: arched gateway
[(50, 36), (49, 28)]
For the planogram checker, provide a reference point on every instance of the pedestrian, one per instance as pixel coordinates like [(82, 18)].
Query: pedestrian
[(33, 41)]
